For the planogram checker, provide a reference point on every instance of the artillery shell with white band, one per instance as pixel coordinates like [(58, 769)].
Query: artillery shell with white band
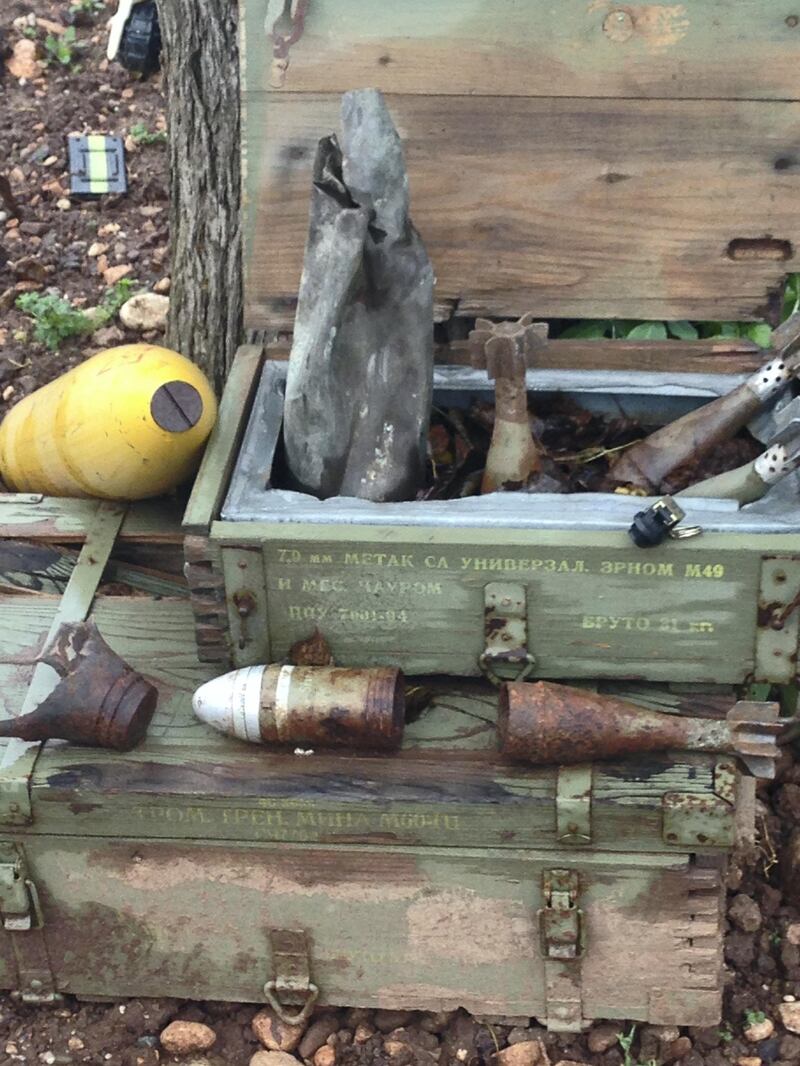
[(307, 705)]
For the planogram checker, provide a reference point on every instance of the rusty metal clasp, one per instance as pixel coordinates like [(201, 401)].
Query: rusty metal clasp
[(292, 982), (506, 631)]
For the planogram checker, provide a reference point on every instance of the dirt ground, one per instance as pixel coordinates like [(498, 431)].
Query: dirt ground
[(81, 249)]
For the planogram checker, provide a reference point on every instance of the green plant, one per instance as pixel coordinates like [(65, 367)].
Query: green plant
[(60, 47), (142, 135), (55, 319), (725, 1033), (87, 7), (758, 332), (754, 1017), (625, 1041)]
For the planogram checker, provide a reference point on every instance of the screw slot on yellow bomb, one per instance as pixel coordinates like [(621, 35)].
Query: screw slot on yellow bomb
[(129, 423)]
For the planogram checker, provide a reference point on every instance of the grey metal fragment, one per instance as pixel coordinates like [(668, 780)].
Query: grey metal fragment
[(360, 378)]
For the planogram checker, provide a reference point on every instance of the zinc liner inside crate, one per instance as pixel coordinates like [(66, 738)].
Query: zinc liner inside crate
[(408, 584)]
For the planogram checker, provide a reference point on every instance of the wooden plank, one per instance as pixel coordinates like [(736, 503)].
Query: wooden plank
[(211, 482), (691, 357), (708, 49), (576, 208), (39, 566), (47, 518), (243, 793)]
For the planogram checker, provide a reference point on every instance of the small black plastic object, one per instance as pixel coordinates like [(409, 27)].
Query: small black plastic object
[(140, 46), (96, 165), (654, 525)]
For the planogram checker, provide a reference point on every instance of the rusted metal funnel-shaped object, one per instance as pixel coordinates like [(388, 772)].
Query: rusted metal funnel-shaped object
[(100, 700), (545, 723)]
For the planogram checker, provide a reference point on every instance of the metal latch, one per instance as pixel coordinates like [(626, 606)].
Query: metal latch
[(574, 805), (19, 900), (561, 920), (506, 632), (292, 982)]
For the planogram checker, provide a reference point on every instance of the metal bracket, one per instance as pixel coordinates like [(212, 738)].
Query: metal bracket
[(561, 929), (574, 805), (23, 921), (292, 982), (705, 819), (506, 632), (778, 629)]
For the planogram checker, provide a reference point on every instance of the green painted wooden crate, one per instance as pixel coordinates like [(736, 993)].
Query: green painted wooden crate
[(578, 161)]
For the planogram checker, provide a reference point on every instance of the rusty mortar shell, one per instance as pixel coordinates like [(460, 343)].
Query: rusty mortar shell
[(503, 349), (100, 701), (316, 706), (648, 463), (544, 723)]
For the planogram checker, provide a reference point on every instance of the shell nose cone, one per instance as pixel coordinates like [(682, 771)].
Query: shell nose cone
[(213, 702), (231, 703)]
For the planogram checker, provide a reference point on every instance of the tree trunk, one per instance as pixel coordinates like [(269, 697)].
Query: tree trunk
[(200, 59)]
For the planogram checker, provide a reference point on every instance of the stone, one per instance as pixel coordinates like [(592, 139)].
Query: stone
[(22, 63), (793, 933), (386, 1020), (274, 1034), (745, 913), (528, 1053), (740, 949), (63, 204), (325, 1056), (147, 311), (363, 1033), (757, 1031), (273, 1058), (116, 273), (603, 1037), (790, 1016), (789, 1048), (748, 1060), (316, 1035), (790, 867), (97, 249), (676, 1050), (184, 1038), (163, 286)]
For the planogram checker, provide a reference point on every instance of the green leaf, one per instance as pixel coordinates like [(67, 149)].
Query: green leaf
[(648, 331), (791, 298), (759, 332), (589, 330), (684, 331), (720, 330)]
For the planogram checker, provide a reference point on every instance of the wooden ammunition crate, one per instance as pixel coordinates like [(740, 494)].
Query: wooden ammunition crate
[(204, 867), (577, 160)]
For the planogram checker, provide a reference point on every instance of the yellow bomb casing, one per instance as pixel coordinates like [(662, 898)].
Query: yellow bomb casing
[(128, 423)]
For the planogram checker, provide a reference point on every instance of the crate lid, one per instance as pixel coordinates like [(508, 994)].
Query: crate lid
[(584, 159)]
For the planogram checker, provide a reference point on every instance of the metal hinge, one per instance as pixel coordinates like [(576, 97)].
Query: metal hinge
[(21, 914), (291, 983), (707, 819), (560, 920), (506, 633), (562, 935)]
